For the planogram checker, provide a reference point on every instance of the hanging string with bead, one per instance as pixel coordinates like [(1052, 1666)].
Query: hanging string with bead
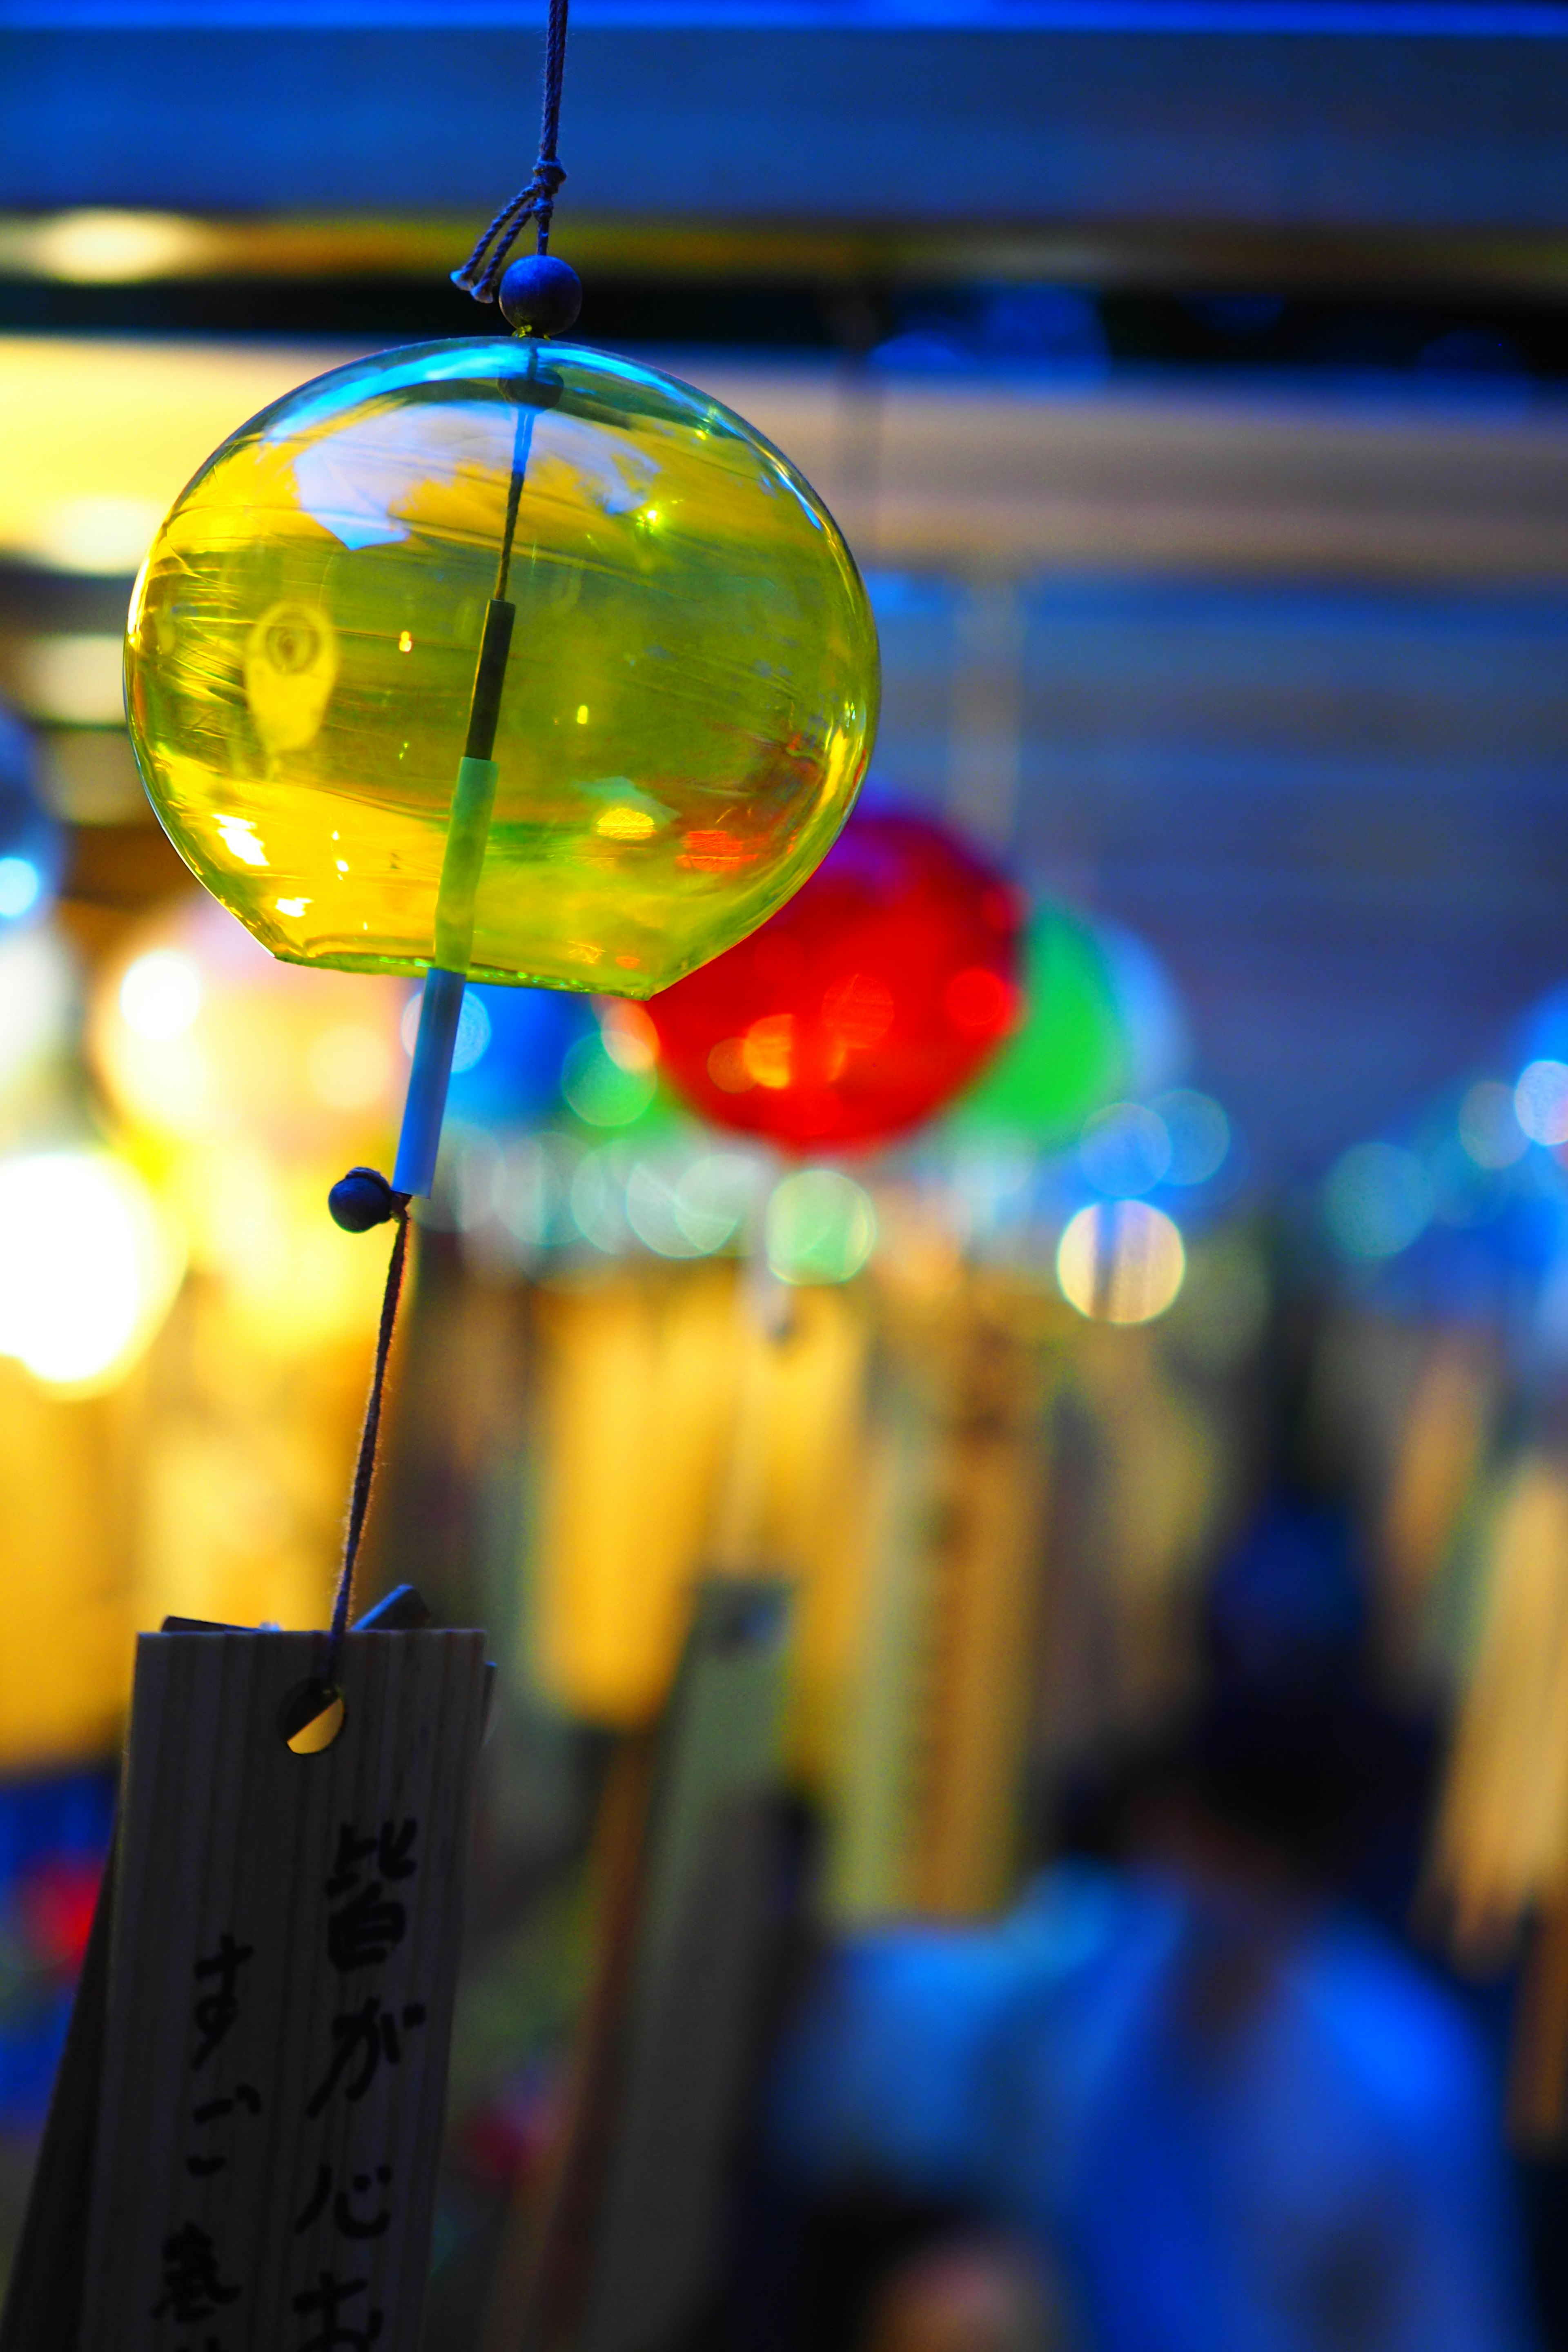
[(539, 295)]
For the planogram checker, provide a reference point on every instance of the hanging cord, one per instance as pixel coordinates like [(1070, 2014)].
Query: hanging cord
[(365, 1468), (483, 272), (363, 1198)]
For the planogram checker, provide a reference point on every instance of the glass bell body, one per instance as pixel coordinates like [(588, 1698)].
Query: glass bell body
[(686, 709)]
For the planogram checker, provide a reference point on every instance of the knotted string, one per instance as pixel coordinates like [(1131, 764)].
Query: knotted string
[(485, 267), (365, 1468)]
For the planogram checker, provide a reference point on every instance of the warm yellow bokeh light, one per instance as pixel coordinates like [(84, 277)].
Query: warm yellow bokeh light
[(38, 989), (1120, 1261), (88, 1267), (160, 995), (350, 1067), (201, 1037), (97, 246), (78, 499)]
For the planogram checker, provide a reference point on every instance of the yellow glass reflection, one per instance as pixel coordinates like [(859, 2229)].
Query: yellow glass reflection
[(687, 707)]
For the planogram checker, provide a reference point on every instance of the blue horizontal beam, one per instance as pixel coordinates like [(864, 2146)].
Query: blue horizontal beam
[(1488, 20), (1373, 116)]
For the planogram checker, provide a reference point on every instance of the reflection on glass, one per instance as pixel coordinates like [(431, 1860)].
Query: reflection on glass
[(686, 709)]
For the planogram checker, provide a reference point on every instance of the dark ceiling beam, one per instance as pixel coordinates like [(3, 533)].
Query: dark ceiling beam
[(1241, 130)]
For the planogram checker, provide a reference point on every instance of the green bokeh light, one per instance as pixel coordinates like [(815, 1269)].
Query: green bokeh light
[(1073, 1054)]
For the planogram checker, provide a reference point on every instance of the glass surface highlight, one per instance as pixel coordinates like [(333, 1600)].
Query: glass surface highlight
[(686, 709)]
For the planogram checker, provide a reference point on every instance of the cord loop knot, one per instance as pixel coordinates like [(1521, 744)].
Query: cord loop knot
[(483, 272), (484, 268)]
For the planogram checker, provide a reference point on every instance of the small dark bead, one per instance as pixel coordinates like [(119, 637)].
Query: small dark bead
[(360, 1199), (540, 296)]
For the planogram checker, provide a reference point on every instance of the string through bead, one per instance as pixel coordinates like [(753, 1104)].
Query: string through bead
[(483, 272)]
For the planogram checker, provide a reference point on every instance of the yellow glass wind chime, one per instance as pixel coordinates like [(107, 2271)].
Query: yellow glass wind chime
[(500, 659)]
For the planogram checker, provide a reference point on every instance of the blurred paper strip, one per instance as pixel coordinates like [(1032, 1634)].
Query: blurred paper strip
[(1502, 1834)]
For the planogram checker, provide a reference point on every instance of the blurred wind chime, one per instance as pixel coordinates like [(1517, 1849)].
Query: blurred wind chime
[(1446, 1367), (1498, 1874), (636, 634), (848, 1022), (734, 1412)]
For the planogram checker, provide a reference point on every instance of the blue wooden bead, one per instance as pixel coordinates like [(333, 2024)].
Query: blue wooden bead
[(361, 1199), (540, 296)]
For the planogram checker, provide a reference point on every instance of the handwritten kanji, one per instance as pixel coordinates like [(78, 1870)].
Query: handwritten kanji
[(216, 2012), (192, 2287), (392, 1846), (201, 2167), (348, 2222), (366, 1929), (242, 2095), (326, 2297), (365, 2038)]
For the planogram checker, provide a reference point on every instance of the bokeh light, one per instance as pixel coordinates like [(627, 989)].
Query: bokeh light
[(21, 887), (472, 1040), (199, 1035), (1153, 1019), (689, 1208), (349, 1067), (88, 1267), (531, 1190), (608, 1078), (1464, 1193), (161, 995), (1072, 1052), (1377, 1200), (820, 1226), (1125, 1149), (1199, 1135), (31, 844), (1489, 1125), (37, 987), (1120, 1261), (471, 1180), (597, 1198), (1540, 1101), (514, 1078)]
